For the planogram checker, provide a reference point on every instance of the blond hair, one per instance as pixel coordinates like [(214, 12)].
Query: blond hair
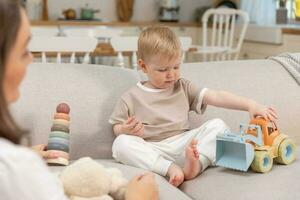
[(158, 41)]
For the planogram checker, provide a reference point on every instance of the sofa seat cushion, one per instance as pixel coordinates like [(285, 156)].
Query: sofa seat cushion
[(282, 182), (166, 190)]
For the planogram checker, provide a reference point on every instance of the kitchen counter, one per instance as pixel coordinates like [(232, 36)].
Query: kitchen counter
[(293, 28), (291, 31), (116, 23)]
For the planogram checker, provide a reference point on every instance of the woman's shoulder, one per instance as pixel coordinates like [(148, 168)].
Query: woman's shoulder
[(15, 158), (25, 170)]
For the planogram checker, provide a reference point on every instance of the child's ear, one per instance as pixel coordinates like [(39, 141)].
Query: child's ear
[(142, 65)]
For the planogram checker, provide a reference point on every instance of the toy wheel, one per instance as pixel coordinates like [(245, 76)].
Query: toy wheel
[(262, 162), (286, 152)]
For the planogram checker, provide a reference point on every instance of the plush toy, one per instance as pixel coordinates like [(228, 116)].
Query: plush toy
[(86, 179)]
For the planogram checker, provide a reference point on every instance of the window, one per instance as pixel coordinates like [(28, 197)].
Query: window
[(264, 11), (290, 7), (260, 11)]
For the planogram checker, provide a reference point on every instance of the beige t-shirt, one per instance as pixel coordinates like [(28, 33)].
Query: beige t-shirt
[(164, 112)]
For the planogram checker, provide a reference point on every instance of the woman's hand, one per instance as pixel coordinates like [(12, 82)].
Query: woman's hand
[(41, 150), (142, 187)]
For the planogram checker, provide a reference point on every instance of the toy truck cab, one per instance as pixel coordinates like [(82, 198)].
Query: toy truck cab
[(269, 130)]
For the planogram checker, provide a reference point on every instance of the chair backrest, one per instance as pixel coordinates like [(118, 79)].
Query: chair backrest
[(186, 43), (129, 44), (123, 44), (53, 44), (224, 31)]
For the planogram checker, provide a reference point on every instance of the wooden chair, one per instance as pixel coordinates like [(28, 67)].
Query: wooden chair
[(224, 31), (125, 44), (186, 43), (59, 45)]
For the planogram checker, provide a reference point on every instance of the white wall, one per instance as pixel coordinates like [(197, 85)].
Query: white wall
[(144, 10)]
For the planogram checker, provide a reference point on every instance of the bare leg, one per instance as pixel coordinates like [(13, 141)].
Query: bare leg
[(192, 166), (175, 174)]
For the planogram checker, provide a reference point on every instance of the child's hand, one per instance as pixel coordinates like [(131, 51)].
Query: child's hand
[(268, 113), (133, 127)]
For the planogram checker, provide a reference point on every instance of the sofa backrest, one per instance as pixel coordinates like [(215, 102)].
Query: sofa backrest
[(91, 92), (265, 81)]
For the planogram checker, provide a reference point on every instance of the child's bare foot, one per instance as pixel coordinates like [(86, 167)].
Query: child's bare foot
[(176, 175), (192, 166)]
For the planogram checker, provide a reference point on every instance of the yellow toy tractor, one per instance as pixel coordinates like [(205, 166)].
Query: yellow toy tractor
[(257, 145)]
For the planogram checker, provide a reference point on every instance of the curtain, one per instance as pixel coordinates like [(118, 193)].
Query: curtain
[(260, 12)]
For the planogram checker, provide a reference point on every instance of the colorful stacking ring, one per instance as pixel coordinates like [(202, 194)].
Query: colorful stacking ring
[(59, 127), (61, 154), (61, 122), (57, 140), (62, 116), (58, 161), (58, 146), (59, 134)]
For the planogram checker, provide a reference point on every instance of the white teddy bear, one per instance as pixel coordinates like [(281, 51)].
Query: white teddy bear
[(86, 179)]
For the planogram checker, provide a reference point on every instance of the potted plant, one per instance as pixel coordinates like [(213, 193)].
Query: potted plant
[(297, 9), (282, 12), (282, 3)]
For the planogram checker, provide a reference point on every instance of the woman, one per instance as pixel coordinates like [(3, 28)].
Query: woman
[(23, 174)]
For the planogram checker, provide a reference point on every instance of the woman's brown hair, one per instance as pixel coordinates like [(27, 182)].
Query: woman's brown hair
[(10, 22)]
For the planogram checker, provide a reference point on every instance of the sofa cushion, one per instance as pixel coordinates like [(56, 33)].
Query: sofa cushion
[(93, 90), (282, 182), (90, 90), (166, 190)]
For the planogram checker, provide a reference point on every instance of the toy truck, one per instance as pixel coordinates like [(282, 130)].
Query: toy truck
[(257, 144)]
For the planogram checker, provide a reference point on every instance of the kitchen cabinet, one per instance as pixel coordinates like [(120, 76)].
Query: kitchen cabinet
[(130, 30), (190, 29), (253, 50), (250, 50), (192, 32)]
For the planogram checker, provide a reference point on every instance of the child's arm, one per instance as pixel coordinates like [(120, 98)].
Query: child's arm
[(231, 101), (131, 127)]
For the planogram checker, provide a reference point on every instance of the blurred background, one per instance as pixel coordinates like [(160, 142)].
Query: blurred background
[(274, 25)]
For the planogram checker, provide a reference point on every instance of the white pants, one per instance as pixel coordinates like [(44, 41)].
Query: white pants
[(158, 156)]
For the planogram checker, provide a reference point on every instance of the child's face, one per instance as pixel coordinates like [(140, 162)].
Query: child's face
[(162, 73)]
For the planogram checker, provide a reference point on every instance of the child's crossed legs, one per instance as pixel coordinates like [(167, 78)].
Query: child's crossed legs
[(159, 157)]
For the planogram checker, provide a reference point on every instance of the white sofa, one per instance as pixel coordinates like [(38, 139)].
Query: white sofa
[(91, 91)]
